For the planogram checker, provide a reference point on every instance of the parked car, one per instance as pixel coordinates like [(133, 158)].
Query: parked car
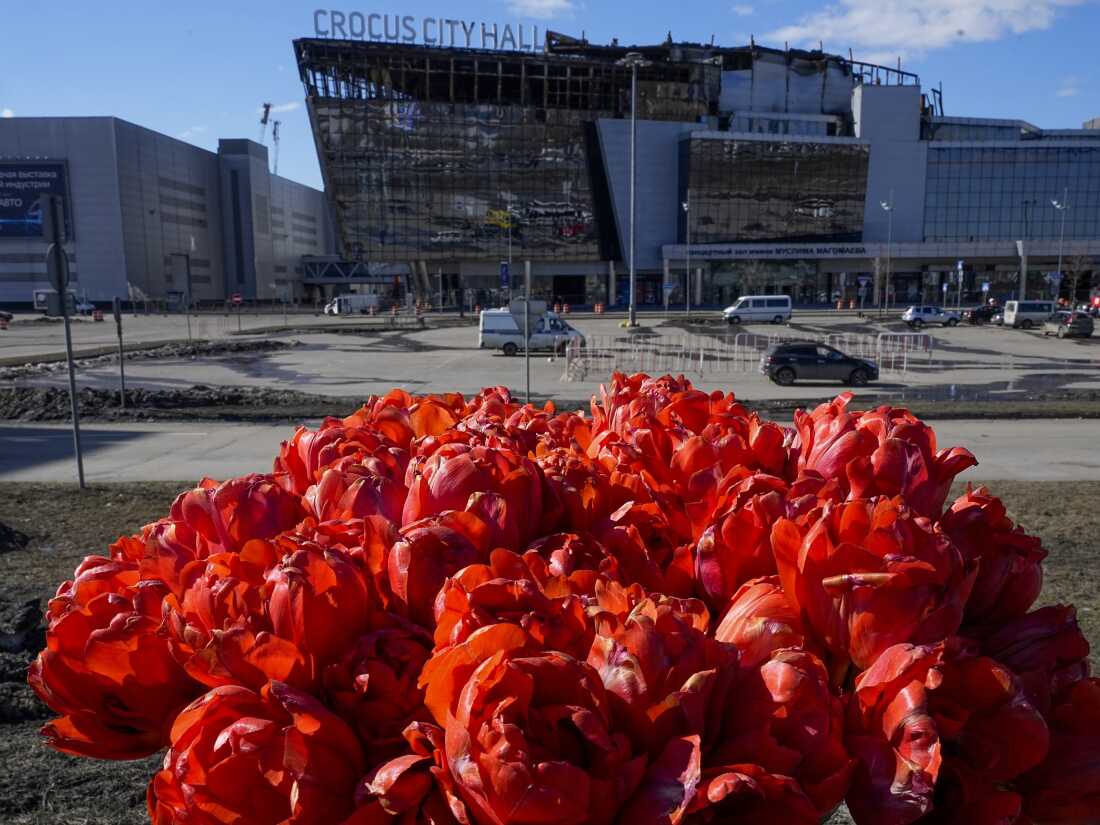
[(918, 316), (748, 308), (786, 363), (1027, 314), (85, 307), (980, 315), (6, 316), (1067, 324), (497, 329)]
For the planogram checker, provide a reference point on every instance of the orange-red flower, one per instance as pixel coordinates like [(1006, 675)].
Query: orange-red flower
[(105, 668), (939, 724), (426, 553), (883, 452), (214, 518), (263, 758), (506, 591), (868, 575), (531, 738), (1010, 573), (736, 547), (664, 676), (1064, 789), (782, 717), (373, 686), (759, 621), (453, 474)]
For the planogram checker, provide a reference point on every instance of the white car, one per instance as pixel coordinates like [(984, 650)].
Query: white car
[(918, 316), (84, 307)]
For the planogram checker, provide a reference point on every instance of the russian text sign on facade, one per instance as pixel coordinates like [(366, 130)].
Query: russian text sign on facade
[(426, 31)]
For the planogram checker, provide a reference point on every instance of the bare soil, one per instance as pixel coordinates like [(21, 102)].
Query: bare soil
[(45, 529)]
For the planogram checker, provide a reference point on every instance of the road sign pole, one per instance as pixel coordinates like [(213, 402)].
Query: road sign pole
[(527, 326), (121, 355), (55, 231)]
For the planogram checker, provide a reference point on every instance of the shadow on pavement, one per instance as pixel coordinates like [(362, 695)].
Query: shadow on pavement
[(29, 446)]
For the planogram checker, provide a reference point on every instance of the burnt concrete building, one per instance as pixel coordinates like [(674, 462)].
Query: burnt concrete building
[(758, 170)]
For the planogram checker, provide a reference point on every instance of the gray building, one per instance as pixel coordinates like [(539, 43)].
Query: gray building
[(151, 217), (759, 170)]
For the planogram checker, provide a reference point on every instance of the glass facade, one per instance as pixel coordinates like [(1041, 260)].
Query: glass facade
[(414, 180), (744, 191), (1005, 193)]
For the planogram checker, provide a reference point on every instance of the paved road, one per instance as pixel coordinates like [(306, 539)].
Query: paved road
[(1050, 450)]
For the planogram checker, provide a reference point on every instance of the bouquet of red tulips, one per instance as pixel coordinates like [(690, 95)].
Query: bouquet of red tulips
[(441, 610)]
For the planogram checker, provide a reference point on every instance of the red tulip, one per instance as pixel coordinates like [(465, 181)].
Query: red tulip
[(736, 547), (1010, 573), (414, 787), (759, 621), (219, 629), (567, 554), (1064, 789), (664, 677), (939, 724), (577, 486), (353, 488), (453, 474), (868, 575), (373, 687), (884, 452), (531, 739), (106, 669), (426, 553), (749, 794), (1045, 648), (782, 717), (505, 591), (276, 756), (319, 600), (216, 518)]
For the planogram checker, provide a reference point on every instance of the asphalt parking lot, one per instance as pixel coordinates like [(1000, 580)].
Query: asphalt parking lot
[(338, 357)]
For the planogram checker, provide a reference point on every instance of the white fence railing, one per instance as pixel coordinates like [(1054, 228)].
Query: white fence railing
[(895, 353)]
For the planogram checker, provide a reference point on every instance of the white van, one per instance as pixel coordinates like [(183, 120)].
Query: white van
[(750, 308), (349, 304), (1027, 314), (497, 329)]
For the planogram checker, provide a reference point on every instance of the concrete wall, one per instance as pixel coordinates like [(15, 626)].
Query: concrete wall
[(96, 251), (658, 194), (141, 200), (888, 117), (170, 207)]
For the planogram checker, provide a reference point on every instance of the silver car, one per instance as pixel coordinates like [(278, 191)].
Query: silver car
[(917, 316)]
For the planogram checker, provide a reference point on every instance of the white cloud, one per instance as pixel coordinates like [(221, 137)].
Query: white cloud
[(885, 30), (543, 9), (7, 113), (1069, 88), (276, 108), (743, 10), (191, 132)]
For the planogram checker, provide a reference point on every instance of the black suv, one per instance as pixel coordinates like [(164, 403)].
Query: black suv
[(980, 315), (786, 363)]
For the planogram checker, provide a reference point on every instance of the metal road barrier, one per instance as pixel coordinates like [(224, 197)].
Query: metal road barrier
[(601, 355)]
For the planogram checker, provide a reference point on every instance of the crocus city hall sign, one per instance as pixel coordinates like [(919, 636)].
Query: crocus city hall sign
[(428, 31)]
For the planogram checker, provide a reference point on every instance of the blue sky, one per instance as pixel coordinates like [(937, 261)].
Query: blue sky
[(199, 70)]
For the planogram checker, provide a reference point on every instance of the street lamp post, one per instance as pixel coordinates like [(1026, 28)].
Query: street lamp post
[(633, 60), (687, 254), (888, 206), (1062, 207)]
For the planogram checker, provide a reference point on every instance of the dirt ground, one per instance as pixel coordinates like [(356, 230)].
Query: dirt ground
[(45, 529)]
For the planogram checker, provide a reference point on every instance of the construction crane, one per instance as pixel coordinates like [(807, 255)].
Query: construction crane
[(275, 140), (264, 116)]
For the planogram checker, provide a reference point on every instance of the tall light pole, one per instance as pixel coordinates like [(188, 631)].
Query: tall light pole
[(687, 256), (633, 60), (888, 206), (1063, 207)]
